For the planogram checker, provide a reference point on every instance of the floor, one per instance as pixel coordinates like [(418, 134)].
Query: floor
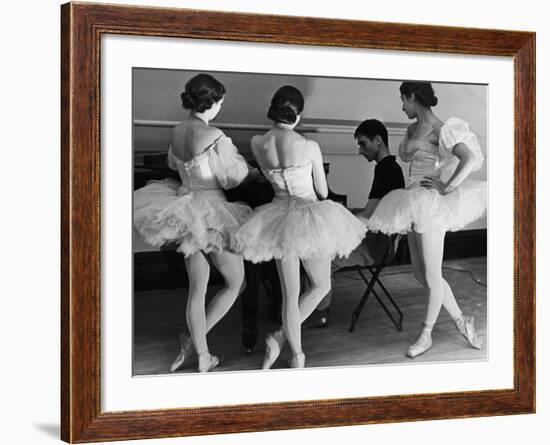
[(160, 316)]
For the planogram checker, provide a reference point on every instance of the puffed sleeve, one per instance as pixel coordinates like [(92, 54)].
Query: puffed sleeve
[(227, 164), (456, 131), (170, 159)]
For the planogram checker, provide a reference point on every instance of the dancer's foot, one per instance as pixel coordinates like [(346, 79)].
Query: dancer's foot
[(422, 344), (274, 342), (297, 360), (207, 362), (186, 349), (465, 326)]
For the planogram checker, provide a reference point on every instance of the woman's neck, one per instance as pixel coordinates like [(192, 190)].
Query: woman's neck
[(199, 116), (425, 116), (282, 126)]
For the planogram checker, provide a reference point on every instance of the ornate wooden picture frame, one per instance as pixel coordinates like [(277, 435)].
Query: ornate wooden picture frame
[(82, 27)]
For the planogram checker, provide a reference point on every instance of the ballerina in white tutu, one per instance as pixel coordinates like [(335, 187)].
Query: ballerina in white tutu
[(439, 197), (296, 226), (195, 214)]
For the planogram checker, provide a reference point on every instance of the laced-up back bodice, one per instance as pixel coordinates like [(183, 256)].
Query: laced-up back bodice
[(196, 174), (292, 182)]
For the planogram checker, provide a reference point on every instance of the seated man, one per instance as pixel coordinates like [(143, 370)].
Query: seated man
[(372, 137)]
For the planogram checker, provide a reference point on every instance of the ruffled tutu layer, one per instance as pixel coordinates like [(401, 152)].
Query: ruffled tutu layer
[(425, 210), (201, 220), (299, 228)]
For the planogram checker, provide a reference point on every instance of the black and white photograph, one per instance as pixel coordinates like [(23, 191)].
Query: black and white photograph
[(275, 222), (292, 221)]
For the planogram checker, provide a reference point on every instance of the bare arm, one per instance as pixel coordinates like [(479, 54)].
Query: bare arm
[(170, 155), (464, 168), (370, 207), (170, 160), (254, 148), (319, 178)]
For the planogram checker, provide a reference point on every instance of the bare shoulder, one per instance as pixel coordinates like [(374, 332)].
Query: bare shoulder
[(213, 132), (208, 136), (411, 129), (439, 124), (178, 129), (256, 140), (313, 147)]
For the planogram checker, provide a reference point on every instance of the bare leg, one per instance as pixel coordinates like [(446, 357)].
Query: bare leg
[(319, 273), (198, 270), (449, 300), (325, 301), (231, 267), (232, 270), (289, 274), (427, 257), (431, 253), (416, 261), (200, 321)]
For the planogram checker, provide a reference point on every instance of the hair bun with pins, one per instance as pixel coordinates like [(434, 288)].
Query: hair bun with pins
[(201, 92), (286, 105), (284, 115), (187, 101), (423, 92)]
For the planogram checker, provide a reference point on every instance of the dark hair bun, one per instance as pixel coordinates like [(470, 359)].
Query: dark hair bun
[(201, 92), (430, 101), (423, 92), (187, 101), (284, 115), (286, 105)]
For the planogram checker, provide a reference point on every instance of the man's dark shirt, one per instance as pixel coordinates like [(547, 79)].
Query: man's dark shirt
[(388, 176)]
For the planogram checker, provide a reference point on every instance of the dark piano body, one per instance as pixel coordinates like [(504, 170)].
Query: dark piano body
[(263, 274)]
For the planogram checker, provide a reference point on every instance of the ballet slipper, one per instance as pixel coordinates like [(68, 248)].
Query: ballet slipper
[(207, 362), (272, 349), (421, 345), (465, 326), (186, 349), (297, 361)]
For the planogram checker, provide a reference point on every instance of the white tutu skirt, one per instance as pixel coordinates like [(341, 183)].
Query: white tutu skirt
[(200, 220), (425, 210), (299, 228)]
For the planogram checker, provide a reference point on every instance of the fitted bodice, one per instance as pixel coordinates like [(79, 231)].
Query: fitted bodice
[(196, 174), (218, 167), (426, 161), (292, 182), (437, 160)]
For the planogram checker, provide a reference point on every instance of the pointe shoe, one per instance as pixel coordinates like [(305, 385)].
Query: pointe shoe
[(297, 361), (186, 349), (421, 345), (272, 350), (465, 326), (207, 362)]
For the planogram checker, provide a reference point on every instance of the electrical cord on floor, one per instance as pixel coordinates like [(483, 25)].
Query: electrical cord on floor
[(481, 283)]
